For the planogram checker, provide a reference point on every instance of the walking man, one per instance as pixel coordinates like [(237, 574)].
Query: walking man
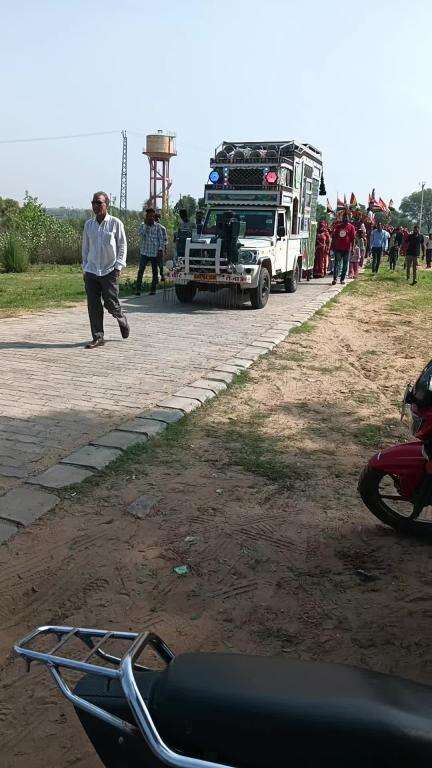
[(378, 243), (396, 240), (342, 243), (183, 232), (165, 236), (429, 251), (199, 222), (104, 252), (151, 249), (414, 243)]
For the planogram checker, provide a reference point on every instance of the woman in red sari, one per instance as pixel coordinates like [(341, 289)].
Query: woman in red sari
[(321, 250)]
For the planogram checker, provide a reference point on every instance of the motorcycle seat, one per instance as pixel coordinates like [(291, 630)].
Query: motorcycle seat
[(258, 712), (251, 712)]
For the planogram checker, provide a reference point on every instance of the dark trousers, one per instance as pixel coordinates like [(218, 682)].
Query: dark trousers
[(428, 259), (144, 260), (161, 266), (376, 259), (104, 288), (411, 263), (341, 257), (393, 256)]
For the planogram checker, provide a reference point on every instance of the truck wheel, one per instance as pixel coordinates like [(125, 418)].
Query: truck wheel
[(186, 293), (259, 295), (293, 280)]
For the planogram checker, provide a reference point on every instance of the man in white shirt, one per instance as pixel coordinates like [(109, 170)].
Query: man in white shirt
[(104, 250)]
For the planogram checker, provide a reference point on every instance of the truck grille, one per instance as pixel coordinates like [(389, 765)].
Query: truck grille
[(246, 177), (202, 261)]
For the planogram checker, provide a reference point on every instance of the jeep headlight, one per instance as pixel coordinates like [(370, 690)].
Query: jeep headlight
[(248, 257)]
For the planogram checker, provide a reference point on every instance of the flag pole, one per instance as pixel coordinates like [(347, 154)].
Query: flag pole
[(421, 204)]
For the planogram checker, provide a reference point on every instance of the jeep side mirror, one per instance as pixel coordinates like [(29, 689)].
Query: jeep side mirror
[(281, 232)]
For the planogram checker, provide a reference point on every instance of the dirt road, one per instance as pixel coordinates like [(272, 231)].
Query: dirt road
[(257, 495)]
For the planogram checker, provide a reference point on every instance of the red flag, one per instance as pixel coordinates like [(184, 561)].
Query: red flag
[(353, 200), (340, 204), (329, 208), (382, 205), (372, 196)]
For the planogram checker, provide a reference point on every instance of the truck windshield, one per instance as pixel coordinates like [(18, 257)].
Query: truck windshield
[(258, 223)]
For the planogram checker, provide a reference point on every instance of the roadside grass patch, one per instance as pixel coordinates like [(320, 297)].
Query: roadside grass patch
[(399, 296), (373, 435), (325, 369), (364, 398), (295, 356), (240, 380), (324, 311), (167, 447), (45, 286), (258, 452), (306, 327)]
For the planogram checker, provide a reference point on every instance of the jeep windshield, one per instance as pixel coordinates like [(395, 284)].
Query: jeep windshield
[(257, 223)]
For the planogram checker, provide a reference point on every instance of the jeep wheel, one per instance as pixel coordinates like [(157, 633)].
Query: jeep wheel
[(291, 282), (259, 295), (186, 293)]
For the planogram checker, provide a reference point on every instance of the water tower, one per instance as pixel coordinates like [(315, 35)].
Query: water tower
[(160, 148)]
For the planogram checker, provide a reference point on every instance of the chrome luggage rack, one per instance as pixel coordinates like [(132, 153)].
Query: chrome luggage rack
[(124, 668)]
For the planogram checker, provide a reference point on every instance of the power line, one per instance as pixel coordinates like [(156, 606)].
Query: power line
[(57, 138), (87, 135)]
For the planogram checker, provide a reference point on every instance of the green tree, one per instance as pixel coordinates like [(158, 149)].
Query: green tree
[(321, 213), (8, 209), (189, 203), (394, 219), (411, 205)]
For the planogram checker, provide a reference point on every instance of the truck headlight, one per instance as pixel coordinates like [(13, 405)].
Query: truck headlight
[(247, 257)]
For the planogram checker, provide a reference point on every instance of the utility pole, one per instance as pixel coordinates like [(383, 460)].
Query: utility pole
[(422, 184), (123, 180)]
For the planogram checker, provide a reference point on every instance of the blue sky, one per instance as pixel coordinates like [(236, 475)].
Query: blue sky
[(351, 78)]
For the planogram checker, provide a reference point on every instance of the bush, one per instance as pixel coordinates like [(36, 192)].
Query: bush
[(48, 240), (13, 255)]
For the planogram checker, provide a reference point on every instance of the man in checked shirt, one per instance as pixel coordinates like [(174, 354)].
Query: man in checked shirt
[(151, 250)]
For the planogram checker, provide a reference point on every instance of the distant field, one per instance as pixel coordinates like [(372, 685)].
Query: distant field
[(48, 286)]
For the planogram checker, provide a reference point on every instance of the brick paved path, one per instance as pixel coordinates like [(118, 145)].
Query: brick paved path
[(56, 396)]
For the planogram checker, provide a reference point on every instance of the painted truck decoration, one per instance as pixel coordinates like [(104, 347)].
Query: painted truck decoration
[(260, 223)]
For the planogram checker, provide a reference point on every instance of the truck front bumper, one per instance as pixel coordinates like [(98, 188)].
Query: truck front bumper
[(183, 278)]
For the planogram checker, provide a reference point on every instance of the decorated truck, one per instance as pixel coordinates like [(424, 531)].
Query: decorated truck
[(260, 224)]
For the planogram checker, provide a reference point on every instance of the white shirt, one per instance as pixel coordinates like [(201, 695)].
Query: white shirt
[(104, 246)]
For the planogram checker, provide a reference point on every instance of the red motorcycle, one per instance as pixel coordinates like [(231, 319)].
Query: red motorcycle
[(396, 484)]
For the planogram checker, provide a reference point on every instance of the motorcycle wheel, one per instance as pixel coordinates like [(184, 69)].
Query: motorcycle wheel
[(380, 493)]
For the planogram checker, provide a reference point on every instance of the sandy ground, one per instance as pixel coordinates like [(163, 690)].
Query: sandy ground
[(257, 495)]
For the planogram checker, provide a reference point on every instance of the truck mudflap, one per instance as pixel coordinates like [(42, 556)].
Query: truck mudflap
[(182, 278)]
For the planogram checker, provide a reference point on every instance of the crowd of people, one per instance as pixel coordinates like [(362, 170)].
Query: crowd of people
[(343, 246)]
